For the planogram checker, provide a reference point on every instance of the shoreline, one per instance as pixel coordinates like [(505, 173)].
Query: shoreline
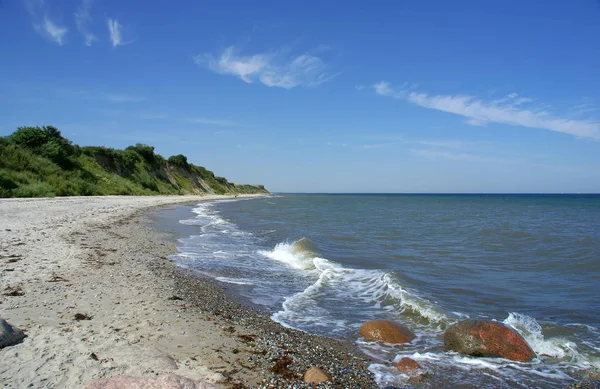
[(100, 257)]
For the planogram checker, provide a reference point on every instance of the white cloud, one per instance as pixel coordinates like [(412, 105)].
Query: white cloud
[(83, 21), (508, 110), (53, 31), (383, 88), (271, 69), (43, 24), (115, 31)]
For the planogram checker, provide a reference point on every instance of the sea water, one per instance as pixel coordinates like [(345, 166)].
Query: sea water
[(326, 263)]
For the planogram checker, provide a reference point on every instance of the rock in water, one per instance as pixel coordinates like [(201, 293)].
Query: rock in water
[(481, 338), (408, 366), (585, 384), (164, 381), (316, 375), (9, 335), (385, 331)]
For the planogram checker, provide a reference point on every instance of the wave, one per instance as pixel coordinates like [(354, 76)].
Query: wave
[(298, 255), (372, 291), (555, 347)]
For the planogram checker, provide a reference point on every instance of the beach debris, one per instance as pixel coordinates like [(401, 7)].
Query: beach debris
[(585, 384), (247, 338), (82, 316), (481, 338), (229, 329), (316, 375), (281, 367), (175, 298), (385, 331), (13, 291), (57, 278), (164, 381), (94, 356), (9, 334)]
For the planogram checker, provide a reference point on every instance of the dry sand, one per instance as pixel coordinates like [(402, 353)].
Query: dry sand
[(96, 259)]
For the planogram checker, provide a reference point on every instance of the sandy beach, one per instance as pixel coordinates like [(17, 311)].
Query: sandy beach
[(97, 297)]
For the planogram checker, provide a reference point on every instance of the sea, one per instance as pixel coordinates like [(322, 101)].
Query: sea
[(325, 263)]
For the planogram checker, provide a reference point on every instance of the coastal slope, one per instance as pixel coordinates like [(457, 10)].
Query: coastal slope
[(40, 162)]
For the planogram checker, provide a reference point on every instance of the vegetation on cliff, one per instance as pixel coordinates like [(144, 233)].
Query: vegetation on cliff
[(40, 162)]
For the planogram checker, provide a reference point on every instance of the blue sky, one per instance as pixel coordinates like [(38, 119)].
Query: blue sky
[(389, 96)]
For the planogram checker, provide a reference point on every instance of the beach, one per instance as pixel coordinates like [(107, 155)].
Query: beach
[(89, 281)]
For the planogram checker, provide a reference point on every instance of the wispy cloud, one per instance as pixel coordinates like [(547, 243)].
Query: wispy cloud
[(115, 31), (508, 110), (273, 69), (43, 24), (83, 20), (53, 31)]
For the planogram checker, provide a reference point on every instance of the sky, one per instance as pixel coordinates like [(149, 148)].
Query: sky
[(321, 96)]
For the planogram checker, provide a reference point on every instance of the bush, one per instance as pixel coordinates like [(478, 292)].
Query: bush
[(6, 181), (146, 151), (36, 189), (179, 160)]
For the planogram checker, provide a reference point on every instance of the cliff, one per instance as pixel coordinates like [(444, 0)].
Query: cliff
[(40, 162)]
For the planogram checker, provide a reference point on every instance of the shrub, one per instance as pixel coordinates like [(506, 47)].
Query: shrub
[(36, 189), (146, 151), (179, 160)]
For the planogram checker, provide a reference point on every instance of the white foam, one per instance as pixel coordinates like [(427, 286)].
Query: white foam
[(237, 281), (482, 363), (531, 331), (292, 254), (373, 289)]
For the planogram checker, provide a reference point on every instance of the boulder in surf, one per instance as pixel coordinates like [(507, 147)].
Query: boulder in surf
[(408, 366), (481, 338), (385, 331)]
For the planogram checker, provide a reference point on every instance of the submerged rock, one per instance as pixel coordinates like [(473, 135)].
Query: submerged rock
[(385, 331), (481, 338), (9, 335), (585, 384), (316, 375), (165, 381), (408, 366)]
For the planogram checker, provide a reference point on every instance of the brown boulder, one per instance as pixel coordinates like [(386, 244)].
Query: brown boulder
[(490, 339), (408, 366), (165, 381), (385, 331), (316, 375)]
